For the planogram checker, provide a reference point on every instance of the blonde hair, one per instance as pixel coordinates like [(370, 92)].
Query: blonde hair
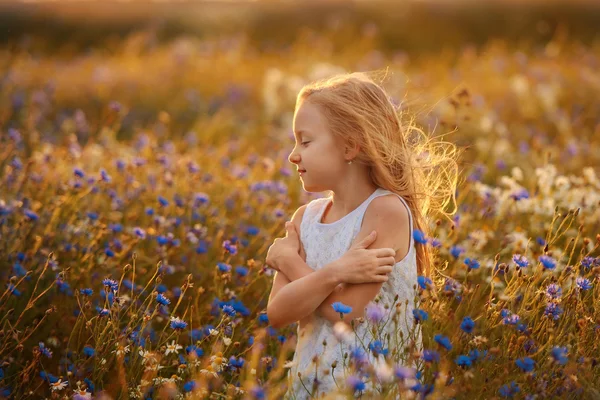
[(401, 158)]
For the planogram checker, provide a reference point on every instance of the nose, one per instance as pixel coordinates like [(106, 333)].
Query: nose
[(293, 157)]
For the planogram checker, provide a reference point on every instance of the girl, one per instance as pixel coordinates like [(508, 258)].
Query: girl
[(350, 141)]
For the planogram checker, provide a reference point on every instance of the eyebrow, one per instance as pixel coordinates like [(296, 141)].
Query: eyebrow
[(300, 132)]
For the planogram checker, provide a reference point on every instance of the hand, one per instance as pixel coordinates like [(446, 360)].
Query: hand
[(362, 265), (283, 247)]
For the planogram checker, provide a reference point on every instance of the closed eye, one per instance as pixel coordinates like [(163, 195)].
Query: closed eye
[(304, 143)]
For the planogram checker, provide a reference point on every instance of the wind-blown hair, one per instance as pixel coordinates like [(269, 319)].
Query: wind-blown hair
[(400, 156)]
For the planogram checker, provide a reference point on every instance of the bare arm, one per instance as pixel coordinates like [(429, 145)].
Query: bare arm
[(301, 297)]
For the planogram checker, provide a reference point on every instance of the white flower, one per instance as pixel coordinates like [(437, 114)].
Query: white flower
[(173, 348), (213, 332), (342, 331), (288, 364), (227, 341), (59, 385), (121, 349), (83, 394), (253, 371)]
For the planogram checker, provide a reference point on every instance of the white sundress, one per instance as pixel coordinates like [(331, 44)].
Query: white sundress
[(324, 243)]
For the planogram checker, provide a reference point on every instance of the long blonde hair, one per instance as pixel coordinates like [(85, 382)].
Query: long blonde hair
[(401, 158)]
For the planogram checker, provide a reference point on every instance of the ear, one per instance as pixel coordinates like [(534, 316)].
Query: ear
[(351, 150)]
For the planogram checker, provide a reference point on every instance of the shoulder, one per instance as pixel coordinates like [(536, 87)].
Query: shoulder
[(298, 214), (387, 208)]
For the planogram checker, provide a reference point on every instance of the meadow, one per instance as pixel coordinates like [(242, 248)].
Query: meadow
[(142, 182)]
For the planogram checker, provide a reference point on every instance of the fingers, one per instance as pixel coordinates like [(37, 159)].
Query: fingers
[(368, 240), (386, 261), (385, 252), (385, 269)]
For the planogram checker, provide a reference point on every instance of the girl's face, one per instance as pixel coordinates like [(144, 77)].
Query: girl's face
[(316, 150)]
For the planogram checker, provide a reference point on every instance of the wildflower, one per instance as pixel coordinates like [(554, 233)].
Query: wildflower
[(241, 270), (229, 310), (467, 324), (80, 394), (375, 312), (230, 247), (547, 261), (424, 282), (463, 361), (431, 356), (553, 310), (583, 283), (31, 215), (86, 292), (520, 260), (110, 283), (402, 372), (257, 392), (526, 364), (89, 351), (224, 267), (139, 232), (160, 299), (163, 202), (553, 291), (559, 354), (178, 324), (44, 350), (471, 263), (341, 308), (588, 262), (443, 341), (59, 385), (105, 176), (120, 349), (377, 348), (356, 383), (420, 315), (435, 242), (173, 348), (419, 237), (456, 251), (509, 391), (189, 386)]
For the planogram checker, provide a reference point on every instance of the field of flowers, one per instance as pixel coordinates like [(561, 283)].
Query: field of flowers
[(141, 187)]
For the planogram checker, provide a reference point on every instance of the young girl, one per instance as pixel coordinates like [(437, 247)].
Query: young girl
[(356, 244)]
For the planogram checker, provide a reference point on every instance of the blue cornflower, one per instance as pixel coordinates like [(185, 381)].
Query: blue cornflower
[(149, 211), (257, 392), (105, 176), (230, 247), (456, 251), (13, 290), (88, 351), (103, 312), (547, 261), (161, 299), (194, 349), (419, 237), (467, 324), (509, 391), (223, 267), (341, 308), (553, 310), (375, 312), (520, 260), (520, 194), (139, 232), (463, 361), (31, 215), (434, 242), (420, 315), (112, 284), (377, 348), (583, 283), (252, 230), (178, 324), (229, 310), (241, 270), (19, 270), (44, 350), (78, 172), (424, 281), (263, 318), (189, 386), (588, 262), (443, 341), (163, 202), (540, 241), (553, 291), (472, 263), (431, 356), (355, 383), (86, 291), (402, 372), (526, 364), (559, 354)]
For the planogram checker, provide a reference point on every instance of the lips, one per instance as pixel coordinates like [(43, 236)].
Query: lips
[(301, 170)]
